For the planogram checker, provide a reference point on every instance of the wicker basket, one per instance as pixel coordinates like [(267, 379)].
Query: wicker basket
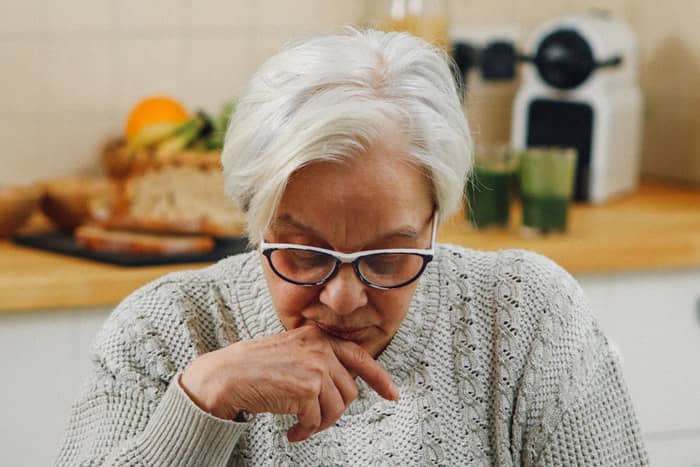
[(119, 162)]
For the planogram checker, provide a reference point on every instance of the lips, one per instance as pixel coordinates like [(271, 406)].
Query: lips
[(348, 334)]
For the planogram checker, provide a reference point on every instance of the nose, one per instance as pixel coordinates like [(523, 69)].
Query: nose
[(345, 292)]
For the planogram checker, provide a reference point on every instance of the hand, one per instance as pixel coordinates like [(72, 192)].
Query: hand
[(303, 371)]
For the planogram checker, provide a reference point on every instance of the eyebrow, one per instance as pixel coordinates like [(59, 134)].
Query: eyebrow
[(286, 221)]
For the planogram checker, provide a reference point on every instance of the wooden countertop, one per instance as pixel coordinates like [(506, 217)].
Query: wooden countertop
[(658, 227)]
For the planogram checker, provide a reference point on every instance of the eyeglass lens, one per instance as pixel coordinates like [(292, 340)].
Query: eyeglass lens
[(382, 269)]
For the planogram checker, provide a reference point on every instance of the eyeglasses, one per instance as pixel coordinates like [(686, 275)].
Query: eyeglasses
[(382, 269)]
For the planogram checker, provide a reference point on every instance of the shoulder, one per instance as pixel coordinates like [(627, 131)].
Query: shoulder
[(514, 277), (522, 296), (161, 326), (534, 266), (165, 298)]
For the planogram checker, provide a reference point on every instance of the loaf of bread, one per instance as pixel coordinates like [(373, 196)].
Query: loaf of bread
[(96, 238), (176, 199), (182, 192)]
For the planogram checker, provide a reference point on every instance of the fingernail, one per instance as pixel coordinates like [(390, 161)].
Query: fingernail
[(395, 392)]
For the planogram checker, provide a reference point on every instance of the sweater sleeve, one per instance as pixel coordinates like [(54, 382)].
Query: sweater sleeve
[(132, 410), (599, 426)]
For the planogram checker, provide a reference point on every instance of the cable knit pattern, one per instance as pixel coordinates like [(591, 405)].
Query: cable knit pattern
[(498, 362)]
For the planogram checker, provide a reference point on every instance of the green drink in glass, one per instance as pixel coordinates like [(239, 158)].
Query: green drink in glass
[(489, 191), (547, 183)]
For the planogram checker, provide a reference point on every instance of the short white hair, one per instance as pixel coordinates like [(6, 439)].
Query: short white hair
[(330, 98)]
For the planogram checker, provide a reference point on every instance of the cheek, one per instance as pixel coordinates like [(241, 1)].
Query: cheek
[(289, 300), (393, 305)]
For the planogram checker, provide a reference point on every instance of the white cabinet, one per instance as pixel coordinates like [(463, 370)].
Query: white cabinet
[(654, 321), (676, 451), (44, 361)]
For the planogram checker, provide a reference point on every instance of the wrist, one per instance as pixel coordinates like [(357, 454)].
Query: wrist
[(196, 392), (188, 385)]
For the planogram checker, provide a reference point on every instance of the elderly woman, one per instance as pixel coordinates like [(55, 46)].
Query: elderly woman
[(350, 337)]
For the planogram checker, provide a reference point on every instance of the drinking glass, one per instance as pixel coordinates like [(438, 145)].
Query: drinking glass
[(547, 185), (423, 18), (490, 189)]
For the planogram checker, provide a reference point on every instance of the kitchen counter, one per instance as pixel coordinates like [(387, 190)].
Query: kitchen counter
[(658, 227)]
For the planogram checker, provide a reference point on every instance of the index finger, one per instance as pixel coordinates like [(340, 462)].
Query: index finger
[(358, 361)]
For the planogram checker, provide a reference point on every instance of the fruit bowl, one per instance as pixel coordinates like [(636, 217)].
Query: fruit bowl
[(16, 207)]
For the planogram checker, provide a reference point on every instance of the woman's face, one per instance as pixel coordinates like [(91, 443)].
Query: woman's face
[(374, 201)]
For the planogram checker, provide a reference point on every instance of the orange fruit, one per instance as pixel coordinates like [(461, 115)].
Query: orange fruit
[(154, 109)]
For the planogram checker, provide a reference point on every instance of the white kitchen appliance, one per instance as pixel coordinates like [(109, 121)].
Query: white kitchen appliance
[(580, 89)]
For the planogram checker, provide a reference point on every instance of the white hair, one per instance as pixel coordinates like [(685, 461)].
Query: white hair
[(330, 98)]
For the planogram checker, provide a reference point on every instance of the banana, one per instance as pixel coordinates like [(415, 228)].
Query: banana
[(179, 139), (152, 134)]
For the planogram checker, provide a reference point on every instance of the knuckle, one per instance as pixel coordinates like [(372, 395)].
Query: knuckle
[(316, 368), (309, 333), (310, 339), (317, 357), (359, 355), (310, 388)]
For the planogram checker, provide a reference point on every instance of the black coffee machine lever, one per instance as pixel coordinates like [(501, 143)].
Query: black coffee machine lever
[(564, 59)]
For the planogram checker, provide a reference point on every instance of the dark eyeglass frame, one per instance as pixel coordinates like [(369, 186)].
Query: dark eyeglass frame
[(351, 258)]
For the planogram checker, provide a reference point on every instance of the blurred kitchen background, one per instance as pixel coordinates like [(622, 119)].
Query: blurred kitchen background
[(72, 70)]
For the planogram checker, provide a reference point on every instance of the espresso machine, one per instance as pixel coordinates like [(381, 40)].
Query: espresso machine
[(579, 88)]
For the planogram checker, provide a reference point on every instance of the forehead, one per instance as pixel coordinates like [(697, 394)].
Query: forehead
[(352, 202)]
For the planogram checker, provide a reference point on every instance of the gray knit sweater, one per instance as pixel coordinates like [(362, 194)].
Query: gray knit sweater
[(498, 362)]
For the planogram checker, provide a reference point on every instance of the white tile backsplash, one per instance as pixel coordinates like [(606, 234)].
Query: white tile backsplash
[(23, 77), (340, 13), (264, 44), (305, 15), (20, 155), (220, 14), (149, 16), (147, 66), (23, 16), (49, 145), (215, 70), (79, 16), (80, 75), (78, 137), (484, 13)]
